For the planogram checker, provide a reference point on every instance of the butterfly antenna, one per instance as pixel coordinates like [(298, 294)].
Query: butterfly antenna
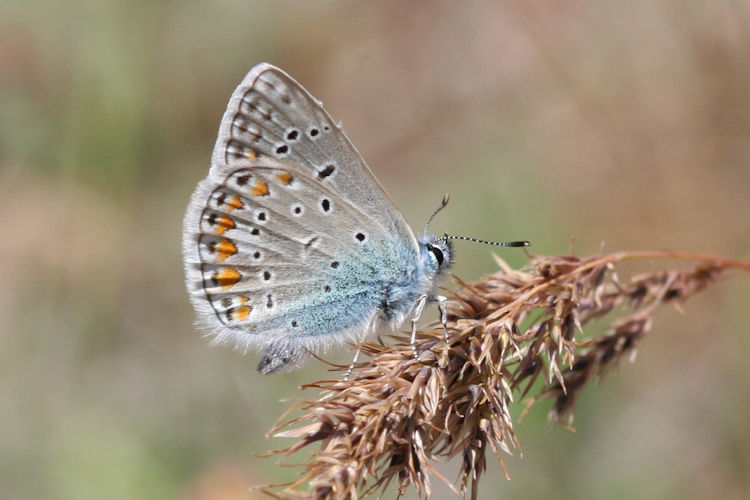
[(443, 203), (494, 243)]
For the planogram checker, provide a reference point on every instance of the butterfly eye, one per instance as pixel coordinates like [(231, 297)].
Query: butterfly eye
[(437, 253)]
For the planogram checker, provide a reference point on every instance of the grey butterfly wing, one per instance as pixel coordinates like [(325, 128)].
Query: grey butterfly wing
[(271, 115), (274, 258), (290, 243)]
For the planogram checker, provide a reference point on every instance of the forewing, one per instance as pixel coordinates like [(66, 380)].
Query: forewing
[(271, 115)]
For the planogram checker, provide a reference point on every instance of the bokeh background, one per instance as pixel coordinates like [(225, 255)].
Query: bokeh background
[(621, 125)]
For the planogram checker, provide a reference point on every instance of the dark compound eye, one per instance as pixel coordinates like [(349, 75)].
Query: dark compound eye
[(437, 253)]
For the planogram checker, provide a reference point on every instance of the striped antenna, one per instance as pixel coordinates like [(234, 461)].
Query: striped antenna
[(494, 243), (443, 203), (447, 237)]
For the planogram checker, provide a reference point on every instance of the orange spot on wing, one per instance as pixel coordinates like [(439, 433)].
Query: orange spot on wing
[(234, 203), (227, 277), (243, 299), (241, 313), (260, 188), (225, 248), (285, 178), (223, 223), (250, 154)]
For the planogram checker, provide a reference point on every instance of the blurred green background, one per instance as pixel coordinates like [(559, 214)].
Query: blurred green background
[(624, 125)]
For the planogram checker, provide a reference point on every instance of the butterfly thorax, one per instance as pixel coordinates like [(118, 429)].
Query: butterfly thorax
[(421, 279)]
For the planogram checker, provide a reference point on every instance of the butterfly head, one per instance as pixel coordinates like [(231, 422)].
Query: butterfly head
[(438, 251)]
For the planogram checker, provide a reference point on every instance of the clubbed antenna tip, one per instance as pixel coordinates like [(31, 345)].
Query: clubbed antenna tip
[(443, 204)]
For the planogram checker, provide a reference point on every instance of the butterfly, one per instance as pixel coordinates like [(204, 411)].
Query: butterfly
[(290, 244)]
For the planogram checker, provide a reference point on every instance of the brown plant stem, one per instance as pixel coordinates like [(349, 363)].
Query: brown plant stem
[(397, 414)]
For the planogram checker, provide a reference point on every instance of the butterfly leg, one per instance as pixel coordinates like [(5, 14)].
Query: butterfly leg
[(443, 308), (421, 301), (351, 365)]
